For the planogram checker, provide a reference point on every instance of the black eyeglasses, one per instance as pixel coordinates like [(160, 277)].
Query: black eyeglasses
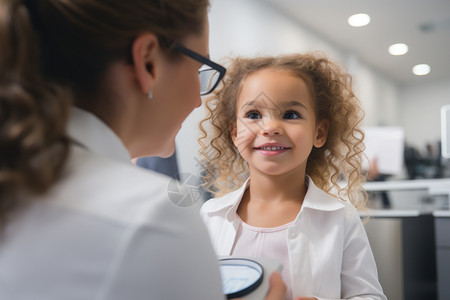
[(210, 73)]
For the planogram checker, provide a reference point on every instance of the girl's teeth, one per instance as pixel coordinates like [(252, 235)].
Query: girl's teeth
[(272, 148)]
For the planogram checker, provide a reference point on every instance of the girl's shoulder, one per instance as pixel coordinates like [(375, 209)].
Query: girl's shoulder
[(224, 202), (318, 199)]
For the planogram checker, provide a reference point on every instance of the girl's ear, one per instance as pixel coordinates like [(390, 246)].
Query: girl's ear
[(321, 133), (233, 132), (144, 51)]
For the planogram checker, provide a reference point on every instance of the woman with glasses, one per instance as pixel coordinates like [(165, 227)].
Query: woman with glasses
[(84, 87)]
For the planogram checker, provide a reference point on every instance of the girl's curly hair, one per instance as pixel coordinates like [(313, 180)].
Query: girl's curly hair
[(330, 86)]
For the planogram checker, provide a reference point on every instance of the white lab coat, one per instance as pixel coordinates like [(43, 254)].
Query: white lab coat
[(329, 253), (106, 231)]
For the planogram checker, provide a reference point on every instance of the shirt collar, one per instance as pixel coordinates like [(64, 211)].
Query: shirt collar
[(318, 199), (93, 134), (315, 198), (236, 195)]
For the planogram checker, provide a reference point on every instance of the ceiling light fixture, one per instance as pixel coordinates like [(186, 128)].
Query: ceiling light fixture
[(398, 49), (421, 69), (359, 20)]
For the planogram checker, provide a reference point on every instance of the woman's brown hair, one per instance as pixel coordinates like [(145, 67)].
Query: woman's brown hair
[(330, 87), (53, 51)]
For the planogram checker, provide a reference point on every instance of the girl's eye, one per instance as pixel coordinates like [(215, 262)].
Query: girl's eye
[(253, 115), (291, 115)]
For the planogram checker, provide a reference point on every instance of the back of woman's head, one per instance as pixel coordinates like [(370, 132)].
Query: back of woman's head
[(81, 38), (53, 50), (330, 88)]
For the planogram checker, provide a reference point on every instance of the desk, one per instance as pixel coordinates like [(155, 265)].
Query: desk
[(442, 227), (403, 244), (435, 187), (424, 246)]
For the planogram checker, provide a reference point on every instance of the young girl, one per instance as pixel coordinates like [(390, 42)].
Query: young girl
[(283, 131)]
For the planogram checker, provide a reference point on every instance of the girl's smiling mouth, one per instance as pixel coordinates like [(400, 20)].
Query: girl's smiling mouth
[(272, 149)]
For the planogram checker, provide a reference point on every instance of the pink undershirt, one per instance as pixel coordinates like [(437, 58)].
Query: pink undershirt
[(265, 242)]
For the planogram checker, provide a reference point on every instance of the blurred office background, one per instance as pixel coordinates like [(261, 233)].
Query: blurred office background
[(390, 93)]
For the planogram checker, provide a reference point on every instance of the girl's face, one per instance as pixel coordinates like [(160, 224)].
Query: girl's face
[(276, 125)]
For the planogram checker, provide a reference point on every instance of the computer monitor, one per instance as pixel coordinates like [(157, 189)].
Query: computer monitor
[(445, 131), (385, 144)]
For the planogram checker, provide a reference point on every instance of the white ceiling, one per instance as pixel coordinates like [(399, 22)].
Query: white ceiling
[(424, 25)]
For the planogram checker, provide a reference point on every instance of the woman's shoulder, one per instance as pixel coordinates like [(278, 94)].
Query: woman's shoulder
[(162, 235), (113, 189)]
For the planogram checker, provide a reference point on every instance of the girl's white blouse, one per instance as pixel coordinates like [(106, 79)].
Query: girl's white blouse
[(254, 241), (328, 251)]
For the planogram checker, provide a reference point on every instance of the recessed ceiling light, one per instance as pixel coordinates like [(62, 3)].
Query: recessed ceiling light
[(359, 20), (422, 69), (398, 49)]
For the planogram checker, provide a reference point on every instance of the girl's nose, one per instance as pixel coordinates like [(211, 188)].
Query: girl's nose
[(271, 127)]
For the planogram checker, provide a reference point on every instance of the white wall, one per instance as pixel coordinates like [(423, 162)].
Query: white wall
[(379, 97), (419, 108), (251, 27)]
